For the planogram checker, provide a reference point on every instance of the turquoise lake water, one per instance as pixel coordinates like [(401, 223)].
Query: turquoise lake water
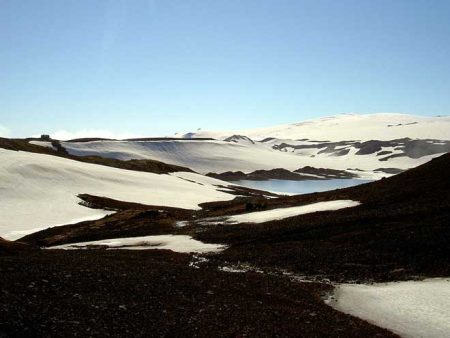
[(300, 187)]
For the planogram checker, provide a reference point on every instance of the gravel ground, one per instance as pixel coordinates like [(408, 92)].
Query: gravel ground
[(155, 293)]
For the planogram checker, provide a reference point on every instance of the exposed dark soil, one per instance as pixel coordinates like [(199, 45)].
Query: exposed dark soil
[(391, 171), (248, 192), (326, 173), (155, 293), (96, 202), (9, 247)]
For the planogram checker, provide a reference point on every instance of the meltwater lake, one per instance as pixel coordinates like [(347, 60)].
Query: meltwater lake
[(300, 187)]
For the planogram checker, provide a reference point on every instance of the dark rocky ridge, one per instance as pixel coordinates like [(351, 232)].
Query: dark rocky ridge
[(390, 171), (326, 173), (302, 174), (261, 175)]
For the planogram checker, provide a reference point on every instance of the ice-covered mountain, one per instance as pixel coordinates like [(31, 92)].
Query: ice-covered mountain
[(347, 127), (368, 146)]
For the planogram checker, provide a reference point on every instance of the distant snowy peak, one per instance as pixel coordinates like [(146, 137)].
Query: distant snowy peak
[(345, 127)]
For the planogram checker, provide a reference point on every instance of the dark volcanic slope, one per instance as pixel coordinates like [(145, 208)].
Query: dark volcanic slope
[(302, 174), (401, 230), (156, 294), (9, 247)]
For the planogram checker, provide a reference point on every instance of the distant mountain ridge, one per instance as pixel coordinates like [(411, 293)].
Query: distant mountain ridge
[(345, 127), (362, 146)]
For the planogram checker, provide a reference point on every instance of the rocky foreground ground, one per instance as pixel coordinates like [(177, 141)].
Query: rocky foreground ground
[(156, 293)]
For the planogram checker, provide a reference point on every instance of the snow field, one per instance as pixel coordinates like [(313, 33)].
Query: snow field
[(345, 127), (219, 156), (38, 191), (243, 155)]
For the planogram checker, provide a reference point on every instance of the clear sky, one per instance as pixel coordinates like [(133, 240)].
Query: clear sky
[(163, 66)]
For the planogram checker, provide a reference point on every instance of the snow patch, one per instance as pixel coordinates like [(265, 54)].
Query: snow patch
[(181, 224), (281, 213), (177, 243), (45, 144), (410, 309)]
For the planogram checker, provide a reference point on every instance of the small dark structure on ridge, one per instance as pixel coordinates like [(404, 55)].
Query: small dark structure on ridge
[(45, 137)]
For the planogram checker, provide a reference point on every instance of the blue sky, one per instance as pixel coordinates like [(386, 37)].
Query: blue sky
[(159, 67)]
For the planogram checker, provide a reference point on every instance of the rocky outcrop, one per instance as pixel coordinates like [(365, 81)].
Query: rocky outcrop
[(262, 175), (326, 173), (239, 139)]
